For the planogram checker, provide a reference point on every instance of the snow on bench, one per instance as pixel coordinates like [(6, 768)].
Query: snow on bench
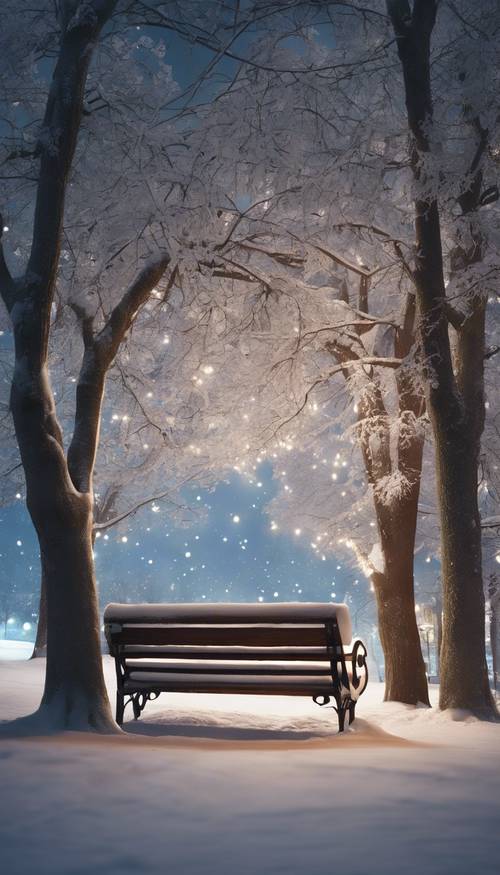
[(300, 649)]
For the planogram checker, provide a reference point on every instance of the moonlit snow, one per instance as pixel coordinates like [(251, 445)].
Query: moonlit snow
[(221, 785)]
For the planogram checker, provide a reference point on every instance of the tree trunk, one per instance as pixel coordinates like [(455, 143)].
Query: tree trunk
[(439, 622), (40, 648), (405, 676), (495, 643), (396, 514), (464, 674), (455, 398), (75, 694)]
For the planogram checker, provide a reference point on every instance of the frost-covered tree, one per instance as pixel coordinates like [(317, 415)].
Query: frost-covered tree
[(336, 142), (102, 196), (453, 296)]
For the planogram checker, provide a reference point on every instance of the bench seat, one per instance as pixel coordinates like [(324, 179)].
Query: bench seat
[(256, 684)]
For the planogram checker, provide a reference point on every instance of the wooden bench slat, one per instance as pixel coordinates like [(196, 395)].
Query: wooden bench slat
[(216, 683), (179, 651), (229, 668), (246, 636), (240, 614)]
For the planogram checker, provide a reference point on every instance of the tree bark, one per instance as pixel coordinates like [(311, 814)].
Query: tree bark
[(75, 694), (405, 676), (455, 401), (494, 593)]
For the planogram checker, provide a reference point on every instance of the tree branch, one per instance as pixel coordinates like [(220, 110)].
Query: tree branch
[(97, 359), (57, 142)]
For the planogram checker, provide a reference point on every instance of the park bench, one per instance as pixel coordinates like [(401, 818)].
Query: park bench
[(279, 649)]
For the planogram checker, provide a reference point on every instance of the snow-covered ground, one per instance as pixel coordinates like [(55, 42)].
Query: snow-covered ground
[(257, 786)]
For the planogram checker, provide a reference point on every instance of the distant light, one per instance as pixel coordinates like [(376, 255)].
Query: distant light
[(18, 495), (10, 621), (207, 369), (497, 558), (187, 554), (124, 539), (260, 599), (26, 627), (236, 518), (19, 543), (6, 228), (298, 531)]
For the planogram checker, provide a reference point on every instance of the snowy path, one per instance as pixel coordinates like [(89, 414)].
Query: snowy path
[(249, 785)]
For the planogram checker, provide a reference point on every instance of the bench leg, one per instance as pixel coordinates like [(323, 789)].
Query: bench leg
[(352, 712), (120, 708), (341, 711)]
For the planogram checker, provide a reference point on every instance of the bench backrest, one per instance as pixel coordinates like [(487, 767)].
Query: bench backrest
[(156, 630)]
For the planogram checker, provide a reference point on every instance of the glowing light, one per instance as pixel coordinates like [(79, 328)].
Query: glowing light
[(298, 531), (187, 554), (236, 518), (26, 627), (207, 369), (124, 539)]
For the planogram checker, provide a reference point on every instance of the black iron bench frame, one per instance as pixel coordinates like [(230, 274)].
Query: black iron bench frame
[(347, 676)]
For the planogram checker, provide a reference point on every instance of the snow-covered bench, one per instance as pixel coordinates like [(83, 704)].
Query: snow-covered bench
[(280, 649)]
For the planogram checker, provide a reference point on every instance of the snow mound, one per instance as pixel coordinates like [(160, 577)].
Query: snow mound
[(13, 650)]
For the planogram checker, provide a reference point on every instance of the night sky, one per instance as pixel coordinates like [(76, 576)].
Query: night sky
[(229, 554)]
